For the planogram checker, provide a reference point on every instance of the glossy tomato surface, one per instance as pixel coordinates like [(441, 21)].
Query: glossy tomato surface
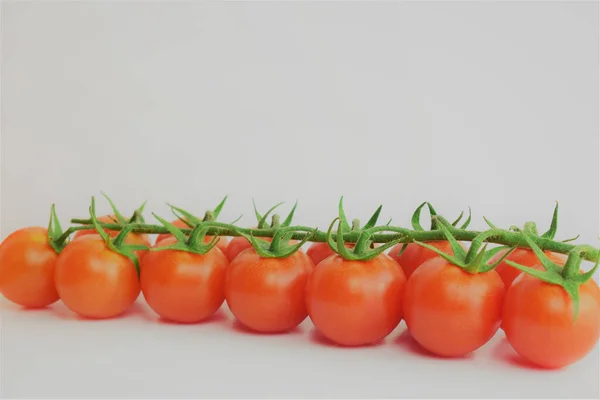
[(94, 281), (451, 312), (319, 251), (355, 302), (538, 319), (27, 265), (415, 255), (183, 286), (524, 257), (221, 244), (267, 294)]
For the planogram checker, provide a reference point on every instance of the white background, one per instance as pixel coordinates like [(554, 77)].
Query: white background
[(481, 104)]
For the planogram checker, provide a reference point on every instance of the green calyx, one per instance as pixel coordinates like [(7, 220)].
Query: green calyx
[(435, 218), (117, 244), (282, 232), (194, 243), (476, 258), (136, 218), (364, 249), (568, 277), (55, 232), (191, 220)]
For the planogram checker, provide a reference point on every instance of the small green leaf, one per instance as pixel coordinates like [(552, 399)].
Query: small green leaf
[(237, 219), (416, 218), (219, 207), (378, 250), (290, 216), (432, 214), (572, 289), (544, 260), (341, 246), (451, 259), (474, 265), (457, 220), (571, 239), (373, 220), (487, 221), (94, 220), (551, 232), (173, 230), (457, 249), (120, 239), (491, 253), (138, 214), (121, 219), (404, 246), (332, 244), (263, 220), (547, 276), (188, 218), (55, 231), (467, 222), (342, 216)]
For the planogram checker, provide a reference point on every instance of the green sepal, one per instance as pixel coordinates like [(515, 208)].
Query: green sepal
[(373, 220), (217, 210), (262, 219), (120, 218), (278, 247), (288, 219), (467, 222), (457, 249), (551, 232), (487, 221), (531, 227), (55, 232), (138, 214), (342, 216), (402, 249), (457, 220), (356, 254), (173, 230), (486, 266), (184, 216), (416, 218), (543, 259), (570, 239), (547, 276), (451, 259)]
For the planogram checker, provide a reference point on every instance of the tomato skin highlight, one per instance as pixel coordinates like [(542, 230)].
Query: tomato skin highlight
[(268, 294), (538, 321), (524, 257), (221, 244), (181, 286), (94, 281), (354, 303), (415, 255), (451, 312), (27, 265)]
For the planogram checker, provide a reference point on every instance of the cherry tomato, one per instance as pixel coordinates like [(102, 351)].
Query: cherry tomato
[(267, 294), (130, 239), (94, 281), (538, 321), (221, 244), (524, 257), (319, 251), (355, 302), (138, 238), (451, 312), (182, 286), (27, 264), (415, 255)]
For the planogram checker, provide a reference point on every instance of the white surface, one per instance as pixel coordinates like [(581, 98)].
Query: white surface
[(473, 103)]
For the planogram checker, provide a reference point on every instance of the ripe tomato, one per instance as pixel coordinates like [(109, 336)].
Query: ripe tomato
[(355, 302), (267, 294), (182, 286), (415, 255), (130, 239), (221, 244), (138, 238), (319, 251), (94, 281), (538, 321), (451, 312), (27, 268), (524, 257)]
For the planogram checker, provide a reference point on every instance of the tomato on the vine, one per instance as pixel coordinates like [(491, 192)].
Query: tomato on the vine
[(414, 255), (452, 312), (130, 239), (93, 280), (240, 243), (355, 303), (27, 263), (267, 294), (538, 319), (182, 286), (524, 257), (221, 244)]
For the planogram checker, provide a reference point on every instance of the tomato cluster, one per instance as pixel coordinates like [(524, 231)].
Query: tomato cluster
[(449, 310)]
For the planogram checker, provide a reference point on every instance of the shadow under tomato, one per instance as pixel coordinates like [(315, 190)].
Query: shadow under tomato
[(504, 351), (239, 327), (217, 317), (318, 338), (408, 343), (63, 312)]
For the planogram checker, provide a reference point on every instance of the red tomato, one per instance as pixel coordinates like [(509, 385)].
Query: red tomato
[(415, 255), (94, 281), (182, 286), (538, 321), (138, 238), (27, 268), (267, 294), (130, 239), (451, 312), (319, 251), (355, 302), (221, 244), (524, 257)]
